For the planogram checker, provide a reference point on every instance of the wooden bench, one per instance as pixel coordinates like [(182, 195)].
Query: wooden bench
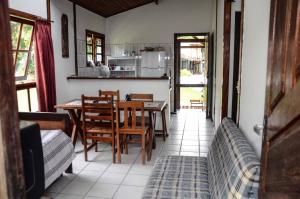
[(197, 103)]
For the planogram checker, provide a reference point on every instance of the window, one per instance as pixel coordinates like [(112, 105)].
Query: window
[(95, 47), (23, 50), (24, 63)]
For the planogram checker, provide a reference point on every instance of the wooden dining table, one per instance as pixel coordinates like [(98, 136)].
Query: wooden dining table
[(74, 108)]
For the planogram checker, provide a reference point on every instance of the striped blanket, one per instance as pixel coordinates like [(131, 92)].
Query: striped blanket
[(58, 152)]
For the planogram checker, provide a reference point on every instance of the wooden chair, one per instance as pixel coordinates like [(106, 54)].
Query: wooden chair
[(98, 122), (131, 128), (114, 94), (141, 97)]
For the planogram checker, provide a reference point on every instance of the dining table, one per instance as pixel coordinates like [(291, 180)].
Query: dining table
[(74, 109)]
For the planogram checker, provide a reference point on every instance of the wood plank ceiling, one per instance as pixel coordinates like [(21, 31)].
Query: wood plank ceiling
[(107, 8)]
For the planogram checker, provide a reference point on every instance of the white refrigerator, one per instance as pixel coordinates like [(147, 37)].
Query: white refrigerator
[(153, 64)]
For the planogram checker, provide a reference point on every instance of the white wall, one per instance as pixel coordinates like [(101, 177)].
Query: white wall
[(219, 62), (64, 67), (88, 20), (35, 7), (157, 23), (254, 67)]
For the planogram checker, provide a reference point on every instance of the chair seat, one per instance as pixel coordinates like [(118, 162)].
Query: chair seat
[(178, 177)]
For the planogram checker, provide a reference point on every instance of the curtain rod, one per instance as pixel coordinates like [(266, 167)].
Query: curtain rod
[(26, 15)]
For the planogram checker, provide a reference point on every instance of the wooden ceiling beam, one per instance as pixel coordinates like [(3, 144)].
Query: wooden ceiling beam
[(109, 8)]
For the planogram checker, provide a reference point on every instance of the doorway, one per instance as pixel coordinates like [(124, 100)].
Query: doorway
[(191, 67)]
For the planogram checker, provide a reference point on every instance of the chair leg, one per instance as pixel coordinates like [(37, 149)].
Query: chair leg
[(143, 148), (113, 150), (85, 150), (164, 127), (125, 144), (96, 147), (119, 149)]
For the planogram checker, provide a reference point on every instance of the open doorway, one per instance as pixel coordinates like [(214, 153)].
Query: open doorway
[(191, 71)]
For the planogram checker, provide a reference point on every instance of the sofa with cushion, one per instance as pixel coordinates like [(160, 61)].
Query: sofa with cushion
[(230, 170)]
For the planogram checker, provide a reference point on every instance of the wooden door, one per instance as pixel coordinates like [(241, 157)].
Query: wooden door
[(280, 174)]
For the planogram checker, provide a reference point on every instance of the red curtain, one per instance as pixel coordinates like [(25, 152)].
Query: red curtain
[(45, 67)]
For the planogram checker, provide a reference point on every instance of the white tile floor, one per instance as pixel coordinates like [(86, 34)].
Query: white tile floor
[(190, 135)]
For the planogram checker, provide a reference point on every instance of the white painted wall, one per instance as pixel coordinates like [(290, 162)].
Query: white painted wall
[(64, 67), (36, 7), (254, 67), (157, 23), (219, 62), (88, 20)]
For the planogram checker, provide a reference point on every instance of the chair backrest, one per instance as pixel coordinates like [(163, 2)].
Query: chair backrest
[(97, 109), (233, 166), (114, 94), (130, 110), (141, 97)]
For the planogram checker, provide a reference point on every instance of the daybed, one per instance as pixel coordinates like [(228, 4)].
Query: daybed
[(47, 149), (231, 170)]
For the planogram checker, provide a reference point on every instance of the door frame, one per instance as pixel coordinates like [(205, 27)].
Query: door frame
[(236, 66), (177, 71)]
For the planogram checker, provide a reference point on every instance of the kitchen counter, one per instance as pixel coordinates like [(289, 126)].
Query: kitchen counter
[(118, 78)]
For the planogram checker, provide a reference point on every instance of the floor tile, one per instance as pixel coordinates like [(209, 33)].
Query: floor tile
[(89, 176), (97, 166), (79, 164), (190, 148), (188, 153), (190, 143), (172, 147), (119, 168), (103, 190), (77, 187), (135, 180), (67, 196), (141, 169), (111, 178), (129, 192), (61, 183)]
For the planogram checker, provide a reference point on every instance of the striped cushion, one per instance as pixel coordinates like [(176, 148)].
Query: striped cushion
[(178, 177), (233, 167)]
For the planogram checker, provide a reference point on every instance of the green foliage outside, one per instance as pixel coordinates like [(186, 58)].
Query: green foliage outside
[(185, 73), (24, 44), (188, 93)]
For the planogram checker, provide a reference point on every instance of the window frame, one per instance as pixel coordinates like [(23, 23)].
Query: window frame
[(23, 21), (95, 35)]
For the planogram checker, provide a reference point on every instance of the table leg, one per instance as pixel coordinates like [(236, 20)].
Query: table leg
[(164, 121), (149, 144), (152, 128), (75, 117)]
